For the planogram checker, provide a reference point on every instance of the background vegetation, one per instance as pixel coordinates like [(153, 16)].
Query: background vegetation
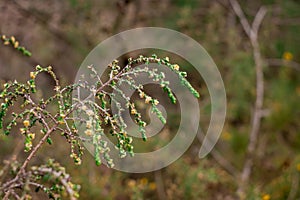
[(61, 33)]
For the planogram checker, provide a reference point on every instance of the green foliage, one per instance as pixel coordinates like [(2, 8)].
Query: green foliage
[(95, 117), (15, 44)]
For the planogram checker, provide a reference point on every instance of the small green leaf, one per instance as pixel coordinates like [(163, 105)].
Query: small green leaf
[(49, 141)]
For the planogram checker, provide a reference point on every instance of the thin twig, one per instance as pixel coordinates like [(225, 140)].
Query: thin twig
[(281, 62), (252, 33)]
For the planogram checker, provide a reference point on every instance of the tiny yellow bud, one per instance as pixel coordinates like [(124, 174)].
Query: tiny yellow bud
[(133, 111), (298, 167), (32, 75), (84, 108), (131, 183), (49, 68), (6, 42), (90, 113), (26, 123), (22, 130), (31, 135), (144, 181), (3, 37), (148, 99), (288, 56), (176, 67), (167, 59), (156, 102), (88, 132), (266, 197), (152, 186), (56, 88), (16, 44), (88, 124), (13, 39), (142, 94)]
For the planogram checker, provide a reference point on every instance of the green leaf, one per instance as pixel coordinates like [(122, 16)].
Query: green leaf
[(49, 141)]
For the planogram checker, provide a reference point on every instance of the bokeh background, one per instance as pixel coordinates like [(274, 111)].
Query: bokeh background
[(61, 34)]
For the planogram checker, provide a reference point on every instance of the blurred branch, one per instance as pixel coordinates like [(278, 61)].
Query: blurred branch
[(287, 21), (122, 7), (252, 33), (280, 62)]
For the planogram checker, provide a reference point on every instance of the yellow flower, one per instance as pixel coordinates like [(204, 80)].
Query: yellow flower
[(90, 113), (142, 94), (32, 75), (22, 130), (266, 197), (88, 124), (84, 108), (16, 45), (176, 67), (298, 167), (77, 161), (152, 186), (226, 136), (133, 111), (156, 102), (287, 56), (298, 90), (88, 132), (144, 181), (31, 135), (13, 39), (26, 123), (148, 99), (131, 183)]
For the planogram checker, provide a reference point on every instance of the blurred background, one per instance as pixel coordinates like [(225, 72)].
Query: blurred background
[(61, 34)]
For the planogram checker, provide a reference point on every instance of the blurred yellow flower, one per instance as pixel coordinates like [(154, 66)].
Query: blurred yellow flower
[(88, 132), (152, 186), (266, 197), (226, 135), (298, 90), (287, 56), (131, 183), (298, 167), (144, 181), (26, 123)]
